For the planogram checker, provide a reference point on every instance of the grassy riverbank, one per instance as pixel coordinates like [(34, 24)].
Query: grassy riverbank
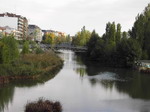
[(30, 66)]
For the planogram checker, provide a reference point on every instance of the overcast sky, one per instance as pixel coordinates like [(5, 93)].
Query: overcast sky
[(71, 15)]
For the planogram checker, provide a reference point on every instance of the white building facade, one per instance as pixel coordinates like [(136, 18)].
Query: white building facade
[(35, 33), (17, 25)]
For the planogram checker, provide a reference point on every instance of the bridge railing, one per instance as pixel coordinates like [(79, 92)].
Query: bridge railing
[(63, 46)]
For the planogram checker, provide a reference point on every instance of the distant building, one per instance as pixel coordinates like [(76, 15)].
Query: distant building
[(17, 23), (2, 29), (56, 33), (7, 31), (61, 34), (34, 33)]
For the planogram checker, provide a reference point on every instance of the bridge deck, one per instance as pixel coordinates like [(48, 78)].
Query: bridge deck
[(66, 47)]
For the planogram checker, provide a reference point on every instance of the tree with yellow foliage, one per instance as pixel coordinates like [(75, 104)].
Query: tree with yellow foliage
[(50, 38)]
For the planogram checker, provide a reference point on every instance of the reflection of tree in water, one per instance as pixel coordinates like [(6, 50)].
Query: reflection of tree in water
[(79, 60), (6, 97), (105, 83), (138, 87), (81, 71), (7, 91), (127, 81)]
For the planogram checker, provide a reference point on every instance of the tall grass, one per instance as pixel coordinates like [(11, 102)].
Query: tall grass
[(31, 64)]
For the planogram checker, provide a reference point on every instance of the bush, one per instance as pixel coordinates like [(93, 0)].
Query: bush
[(43, 106), (25, 49), (39, 50), (129, 51), (8, 49), (31, 64), (145, 55)]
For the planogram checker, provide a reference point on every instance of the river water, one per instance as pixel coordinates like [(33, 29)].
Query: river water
[(82, 87)]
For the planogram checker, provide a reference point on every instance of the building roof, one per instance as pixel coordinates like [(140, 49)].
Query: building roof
[(49, 31), (33, 26), (11, 15), (2, 28)]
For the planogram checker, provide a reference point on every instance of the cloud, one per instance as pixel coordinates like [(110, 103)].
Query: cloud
[(71, 15)]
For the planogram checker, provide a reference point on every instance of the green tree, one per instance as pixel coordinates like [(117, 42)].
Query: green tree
[(124, 35), (113, 32), (110, 34), (1, 34), (25, 49), (109, 49), (68, 38), (146, 43), (118, 33), (106, 36), (1, 50), (9, 49), (129, 51), (140, 30), (6, 55), (58, 40), (82, 37), (92, 45)]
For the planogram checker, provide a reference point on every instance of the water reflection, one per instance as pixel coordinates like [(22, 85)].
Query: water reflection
[(7, 91), (81, 71), (127, 81), (83, 87), (6, 97)]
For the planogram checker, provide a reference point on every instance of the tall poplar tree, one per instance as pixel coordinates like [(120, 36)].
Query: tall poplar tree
[(141, 30), (118, 33)]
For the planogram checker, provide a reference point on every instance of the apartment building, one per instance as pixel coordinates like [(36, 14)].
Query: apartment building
[(35, 33), (17, 23), (56, 33), (7, 31)]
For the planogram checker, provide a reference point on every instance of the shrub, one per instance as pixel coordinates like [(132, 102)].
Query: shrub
[(129, 51), (25, 49), (31, 64), (8, 49), (39, 50), (43, 106)]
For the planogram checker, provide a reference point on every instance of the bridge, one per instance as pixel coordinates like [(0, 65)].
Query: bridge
[(65, 46)]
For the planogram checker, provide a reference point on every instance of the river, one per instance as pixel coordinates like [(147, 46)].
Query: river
[(82, 87)]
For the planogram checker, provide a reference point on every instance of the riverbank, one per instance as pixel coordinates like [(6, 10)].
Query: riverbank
[(30, 66)]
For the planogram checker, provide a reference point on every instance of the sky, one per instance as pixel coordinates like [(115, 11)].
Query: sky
[(70, 16)]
